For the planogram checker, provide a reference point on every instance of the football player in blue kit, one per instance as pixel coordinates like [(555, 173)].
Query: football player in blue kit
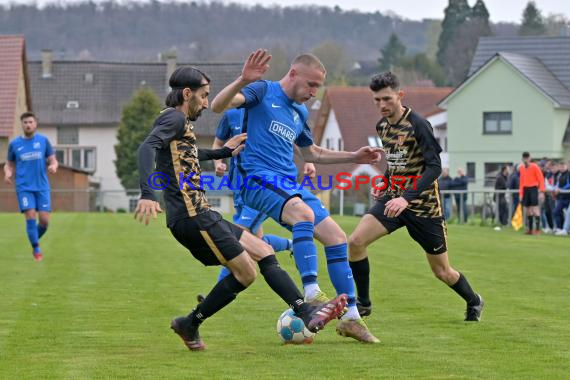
[(275, 119), (30, 158)]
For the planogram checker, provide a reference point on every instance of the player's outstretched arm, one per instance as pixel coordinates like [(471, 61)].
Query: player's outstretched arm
[(364, 155), (231, 148), (253, 70)]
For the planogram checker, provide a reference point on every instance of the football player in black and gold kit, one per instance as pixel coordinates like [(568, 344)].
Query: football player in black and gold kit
[(211, 239), (410, 199)]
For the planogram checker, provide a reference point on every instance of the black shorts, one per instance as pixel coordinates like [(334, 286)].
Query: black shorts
[(429, 232), (530, 196), (211, 239)]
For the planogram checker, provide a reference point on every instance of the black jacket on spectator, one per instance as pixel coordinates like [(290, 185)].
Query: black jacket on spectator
[(514, 181), (501, 183), (460, 183), (564, 184), (445, 183)]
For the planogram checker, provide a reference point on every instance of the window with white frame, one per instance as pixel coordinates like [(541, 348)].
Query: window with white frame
[(497, 123), (491, 171), (83, 158)]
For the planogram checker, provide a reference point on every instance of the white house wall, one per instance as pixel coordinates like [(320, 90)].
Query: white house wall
[(332, 131), (104, 139), (439, 124)]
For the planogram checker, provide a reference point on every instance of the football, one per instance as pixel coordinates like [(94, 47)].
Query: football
[(291, 329)]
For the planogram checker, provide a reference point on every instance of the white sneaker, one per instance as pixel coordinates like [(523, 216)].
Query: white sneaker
[(561, 233), (547, 230)]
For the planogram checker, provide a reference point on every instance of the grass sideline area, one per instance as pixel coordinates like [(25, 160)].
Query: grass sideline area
[(100, 303)]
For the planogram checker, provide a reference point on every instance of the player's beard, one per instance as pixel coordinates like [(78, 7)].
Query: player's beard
[(195, 116)]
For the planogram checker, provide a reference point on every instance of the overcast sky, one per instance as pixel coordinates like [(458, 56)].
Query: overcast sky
[(500, 10)]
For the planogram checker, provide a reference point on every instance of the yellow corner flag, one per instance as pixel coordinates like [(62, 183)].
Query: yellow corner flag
[(517, 221)]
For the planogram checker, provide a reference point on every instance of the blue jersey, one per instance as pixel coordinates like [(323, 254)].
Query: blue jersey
[(273, 123), (230, 126), (30, 155)]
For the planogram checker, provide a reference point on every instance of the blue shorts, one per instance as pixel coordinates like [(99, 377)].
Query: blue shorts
[(34, 200), (246, 216), (270, 197), (249, 218)]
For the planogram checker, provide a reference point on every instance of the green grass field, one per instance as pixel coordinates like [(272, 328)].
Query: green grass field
[(100, 304)]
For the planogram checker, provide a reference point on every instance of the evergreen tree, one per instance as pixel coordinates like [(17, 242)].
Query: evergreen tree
[(392, 53), (462, 45), (456, 13), (136, 122), (532, 22), (480, 14)]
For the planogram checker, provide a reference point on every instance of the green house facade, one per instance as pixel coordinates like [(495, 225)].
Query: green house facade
[(515, 99)]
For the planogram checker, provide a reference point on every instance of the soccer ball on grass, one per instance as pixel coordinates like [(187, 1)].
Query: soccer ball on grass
[(291, 329)]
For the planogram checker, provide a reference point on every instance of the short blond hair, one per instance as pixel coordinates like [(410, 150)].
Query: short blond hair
[(309, 60)]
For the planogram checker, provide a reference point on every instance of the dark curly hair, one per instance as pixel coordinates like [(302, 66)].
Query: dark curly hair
[(384, 80)]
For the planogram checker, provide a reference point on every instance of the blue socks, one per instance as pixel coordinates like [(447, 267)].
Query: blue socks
[(32, 229), (277, 242), (305, 252), (340, 272)]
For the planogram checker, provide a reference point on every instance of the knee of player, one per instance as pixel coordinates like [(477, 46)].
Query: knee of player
[(441, 273), (300, 212), (356, 243), (306, 215)]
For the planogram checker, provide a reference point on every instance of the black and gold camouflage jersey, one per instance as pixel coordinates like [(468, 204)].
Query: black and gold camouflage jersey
[(177, 162), (412, 151)]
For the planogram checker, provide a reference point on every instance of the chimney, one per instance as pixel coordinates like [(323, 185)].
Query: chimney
[(47, 57), (170, 67)]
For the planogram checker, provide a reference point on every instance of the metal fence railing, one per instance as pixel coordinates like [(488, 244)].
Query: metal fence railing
[(488, 205), (484, 205)]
